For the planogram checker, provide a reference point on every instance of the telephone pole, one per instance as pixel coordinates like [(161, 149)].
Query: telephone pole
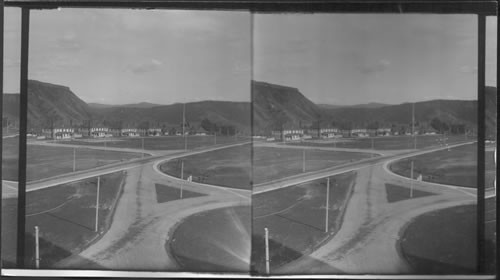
[(97, 205), (142, 145), (267, 250), (327, 202), (182, 169), (37, 248), (184, 125), (74, 159), (411, 182), (413, 127), (303, 160)]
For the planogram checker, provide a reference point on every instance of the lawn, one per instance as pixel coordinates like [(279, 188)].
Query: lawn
[(165, 193), (48, 161), (490, 219), (387, 142), (397, 193), (295, 218), (232, 167), (228, 167), (65, 215), (456, 166), (276, 163), (442, 242), (159, 142), (222, 246)]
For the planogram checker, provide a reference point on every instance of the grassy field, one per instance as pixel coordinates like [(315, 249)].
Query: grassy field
[(65, 215), (227, 167), (48, 161), (165, 193), (490, 219), (456, 166), (231, 167), (442, 242), (222, 246), (387, 142), (159, 142), (397, 193), (276, 163), (295, 217)]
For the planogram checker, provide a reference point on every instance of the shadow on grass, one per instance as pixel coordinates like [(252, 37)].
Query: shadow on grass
[(69, 221), (397, 193), (280, 255), (442, 242), (165, 193), (300, 222), (50, 254)]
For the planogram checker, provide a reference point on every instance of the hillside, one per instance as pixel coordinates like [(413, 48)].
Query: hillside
[(446, 110), (48, 103), (367, 105), (275, 105), (134, 105), (235, 114), (449, 111)]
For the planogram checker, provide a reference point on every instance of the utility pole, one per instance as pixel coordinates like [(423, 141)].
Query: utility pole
[(142, 144), (182, 170), (182, 185), (413, 127), (184, 125), (74, 159), (37, 248), (97, 205), (327, 202), (303, 160), (411, 182), (267, 250)]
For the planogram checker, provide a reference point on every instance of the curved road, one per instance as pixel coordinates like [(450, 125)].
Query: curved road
[(368, 239), (141, 226), (371, 228)]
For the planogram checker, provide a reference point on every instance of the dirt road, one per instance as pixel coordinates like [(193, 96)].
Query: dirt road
[(141, 226)]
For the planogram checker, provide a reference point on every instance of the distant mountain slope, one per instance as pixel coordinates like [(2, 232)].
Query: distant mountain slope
[(446, 110), (134, 105), (367, 105), (221, 112), (48, 103), (450, 111), (275, 105)]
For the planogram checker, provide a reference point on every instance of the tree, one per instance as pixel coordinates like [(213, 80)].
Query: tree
[(439, 125), (172, 131), (208, 125)]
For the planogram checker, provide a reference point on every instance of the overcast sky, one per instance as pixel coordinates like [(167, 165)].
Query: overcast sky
[(360, 58), (128, 56)]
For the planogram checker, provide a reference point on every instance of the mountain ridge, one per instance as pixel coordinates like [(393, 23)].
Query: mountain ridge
[(274, 107)]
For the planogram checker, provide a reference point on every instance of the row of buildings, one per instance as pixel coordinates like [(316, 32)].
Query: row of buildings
[(299, 134), (102, 132)]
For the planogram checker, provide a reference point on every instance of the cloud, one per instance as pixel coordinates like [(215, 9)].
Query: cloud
[(378, 66), (150, 66), (69, 42), (468, 69)]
